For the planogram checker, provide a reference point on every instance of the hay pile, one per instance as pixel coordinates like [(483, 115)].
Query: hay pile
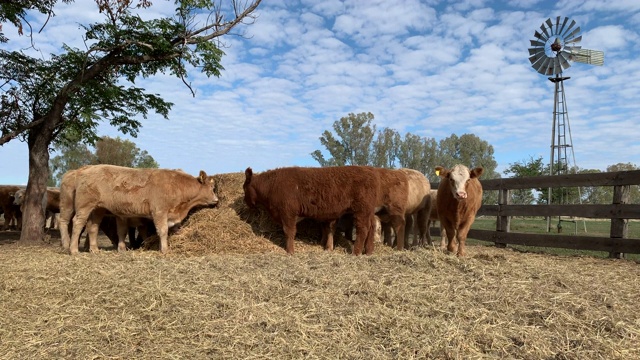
[(424, 304), (234, 228)]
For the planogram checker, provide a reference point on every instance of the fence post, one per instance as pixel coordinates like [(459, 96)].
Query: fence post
[(503, 223), (620, 227)]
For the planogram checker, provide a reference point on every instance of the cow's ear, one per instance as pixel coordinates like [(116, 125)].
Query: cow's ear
[(11, 194), (248, 173), (203, 177), (442, 172), (475, 173)]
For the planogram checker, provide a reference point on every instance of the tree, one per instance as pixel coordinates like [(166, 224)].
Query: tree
[(107, 151), (385, 148), (42, 99), (532, 167), (352, 146), (122, 153), (15, 12)]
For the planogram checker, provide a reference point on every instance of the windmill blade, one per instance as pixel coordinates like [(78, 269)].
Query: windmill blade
[(539, 65), (564, 23), (572, 34), (544, 30), (557, 31), (573, 22), (537, 56), (540, 36), (586, 56), (536, 50), (574, 40), (536, 62), (557, 68), (572, 49), (537, 43), (550, 66), (544, 66), (550, 26), (564, 60)]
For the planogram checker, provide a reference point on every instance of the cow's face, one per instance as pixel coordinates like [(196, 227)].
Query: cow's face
[(209, 183), (18, 197), (458, 178), (250, 195)]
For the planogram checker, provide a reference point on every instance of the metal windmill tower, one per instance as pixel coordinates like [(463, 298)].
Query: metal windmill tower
[(551, 52)]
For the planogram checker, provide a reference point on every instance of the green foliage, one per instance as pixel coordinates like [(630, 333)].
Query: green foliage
[(532, 167), (352, 146)]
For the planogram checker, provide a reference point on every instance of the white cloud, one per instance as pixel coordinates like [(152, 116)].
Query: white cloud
[(418, 66)]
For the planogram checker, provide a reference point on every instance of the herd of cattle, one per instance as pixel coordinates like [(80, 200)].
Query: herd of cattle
[(340, 198)]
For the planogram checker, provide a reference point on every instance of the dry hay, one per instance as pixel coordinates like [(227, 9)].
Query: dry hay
[(232, 227), (495, 304), (244, 298)]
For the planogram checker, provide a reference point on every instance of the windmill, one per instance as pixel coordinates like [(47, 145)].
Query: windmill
[(552, 50)]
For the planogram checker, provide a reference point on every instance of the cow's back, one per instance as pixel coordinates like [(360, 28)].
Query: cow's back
[(418, 190), (134, 192), (319, 193)]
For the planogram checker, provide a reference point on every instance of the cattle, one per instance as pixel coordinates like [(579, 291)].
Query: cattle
[(50, 202), (162, 195), (458, 199), (11, 212), (325, 194), (418, 207)]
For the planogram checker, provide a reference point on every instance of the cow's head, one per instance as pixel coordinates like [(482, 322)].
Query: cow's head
[(457, 178), (209, 183), (18, 197), (250, 196)]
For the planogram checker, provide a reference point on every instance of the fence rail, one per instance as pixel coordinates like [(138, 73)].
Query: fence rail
[(618, 212)]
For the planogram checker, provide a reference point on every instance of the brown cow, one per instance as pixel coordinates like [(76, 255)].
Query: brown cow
[(11, 211), (417, 210), (458, 200), (165, 196), (50, 203), (325, 194)]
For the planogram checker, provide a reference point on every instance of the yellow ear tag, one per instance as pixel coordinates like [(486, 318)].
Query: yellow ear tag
[(437, 172)]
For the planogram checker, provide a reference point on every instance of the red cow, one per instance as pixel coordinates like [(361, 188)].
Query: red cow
[(458, 200), (292, 193), (11, 211)]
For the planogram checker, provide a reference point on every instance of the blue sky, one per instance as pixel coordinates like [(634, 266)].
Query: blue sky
[(432, 68)]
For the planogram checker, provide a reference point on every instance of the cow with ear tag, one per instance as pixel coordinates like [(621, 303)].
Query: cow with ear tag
[(458, 199)]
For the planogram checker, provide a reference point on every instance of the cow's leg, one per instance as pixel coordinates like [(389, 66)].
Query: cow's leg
[(363, 223), (450, 234), (443, 237), (64, 223), (123, 228), (162, 228), (370, 242), (422, 219), (289, 228), (398, 224), (79, 221), (387, 235), (408, 229), (93, 226), (461, 236), (328, 230)]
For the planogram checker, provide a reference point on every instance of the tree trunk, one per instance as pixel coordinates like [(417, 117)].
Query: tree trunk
[(33, 216)]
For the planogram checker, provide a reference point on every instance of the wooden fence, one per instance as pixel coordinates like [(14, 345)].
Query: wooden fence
[(618, 212)]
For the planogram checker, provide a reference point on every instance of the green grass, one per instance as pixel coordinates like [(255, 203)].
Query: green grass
[(598, 228)]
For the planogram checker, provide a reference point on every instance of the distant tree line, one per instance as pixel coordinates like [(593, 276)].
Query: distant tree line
[(572, 195), (355, 140)]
